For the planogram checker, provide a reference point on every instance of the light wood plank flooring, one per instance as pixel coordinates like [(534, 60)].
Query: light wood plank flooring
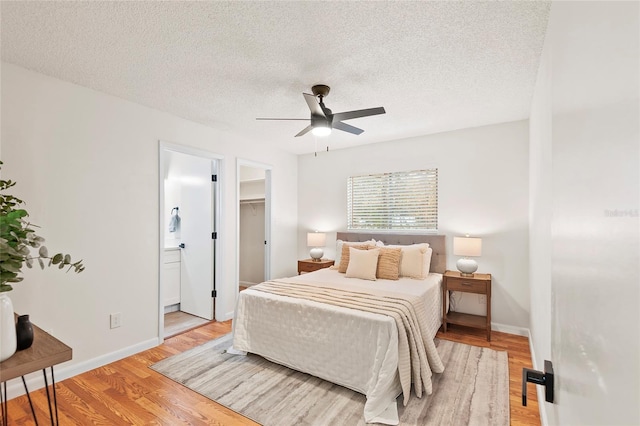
[(127, 392), (178, 322)]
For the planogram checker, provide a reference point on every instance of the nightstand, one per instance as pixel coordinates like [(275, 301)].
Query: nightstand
[(478, 284), (310, 265)]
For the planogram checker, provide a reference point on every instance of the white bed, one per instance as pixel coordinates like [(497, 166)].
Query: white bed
[(350, 347)]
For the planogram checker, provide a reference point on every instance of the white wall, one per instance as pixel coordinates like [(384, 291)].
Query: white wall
[(87, 165), (585, 162), (482, 190)]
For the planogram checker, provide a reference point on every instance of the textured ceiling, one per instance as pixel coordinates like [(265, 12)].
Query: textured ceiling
[(434, 66)]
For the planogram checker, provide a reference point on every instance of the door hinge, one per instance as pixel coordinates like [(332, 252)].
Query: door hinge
[(214, 293), (214, 235), (214, 178)]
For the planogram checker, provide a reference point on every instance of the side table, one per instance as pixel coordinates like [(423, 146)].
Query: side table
[(45, 352)]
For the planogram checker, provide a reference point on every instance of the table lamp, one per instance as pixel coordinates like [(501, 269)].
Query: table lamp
[(467, 247), (317, 240)]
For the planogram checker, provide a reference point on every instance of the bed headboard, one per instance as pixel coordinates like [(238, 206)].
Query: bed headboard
[(436, 242)]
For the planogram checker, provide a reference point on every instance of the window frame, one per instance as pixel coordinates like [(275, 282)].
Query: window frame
[(393, 192)]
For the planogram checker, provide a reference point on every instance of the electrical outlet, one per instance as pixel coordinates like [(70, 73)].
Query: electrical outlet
[(116, 320), (482, 299)]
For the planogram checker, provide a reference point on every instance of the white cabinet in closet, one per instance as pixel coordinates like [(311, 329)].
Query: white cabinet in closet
[(171, 277)]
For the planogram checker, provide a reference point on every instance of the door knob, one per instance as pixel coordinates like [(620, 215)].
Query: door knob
[(181, 245)]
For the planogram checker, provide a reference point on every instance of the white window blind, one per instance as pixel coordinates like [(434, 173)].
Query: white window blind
[(394, 201)]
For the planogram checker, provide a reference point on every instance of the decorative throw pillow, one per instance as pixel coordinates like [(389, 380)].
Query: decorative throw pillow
[(389, 263), (344, 257), (427, 260), (362, 263), (413, 261), (340, 243)]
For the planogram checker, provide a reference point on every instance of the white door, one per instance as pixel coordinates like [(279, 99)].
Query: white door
[(590, 170), (197, 226)]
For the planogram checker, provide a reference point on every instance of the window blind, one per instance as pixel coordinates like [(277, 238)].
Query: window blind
[(393, 201)]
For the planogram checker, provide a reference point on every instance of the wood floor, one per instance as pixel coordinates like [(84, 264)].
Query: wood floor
[(178, 322), (127, 392)]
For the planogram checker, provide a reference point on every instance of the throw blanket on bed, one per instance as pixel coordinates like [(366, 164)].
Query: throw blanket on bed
[(418, 356)]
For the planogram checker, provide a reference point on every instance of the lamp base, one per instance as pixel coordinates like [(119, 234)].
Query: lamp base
[(466, 267), (316, 254)]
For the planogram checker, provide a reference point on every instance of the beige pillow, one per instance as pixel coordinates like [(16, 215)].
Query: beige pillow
[(389, 263), (362, 263), (427, 260), (415, 260), (344, 258)]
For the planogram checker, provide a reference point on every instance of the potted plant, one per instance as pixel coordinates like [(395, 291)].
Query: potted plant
[(17, 241)]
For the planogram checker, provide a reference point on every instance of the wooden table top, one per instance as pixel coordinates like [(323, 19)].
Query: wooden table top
[(45, 351)]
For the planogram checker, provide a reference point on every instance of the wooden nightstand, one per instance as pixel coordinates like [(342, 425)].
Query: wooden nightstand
[(478, 284), (310, 265)]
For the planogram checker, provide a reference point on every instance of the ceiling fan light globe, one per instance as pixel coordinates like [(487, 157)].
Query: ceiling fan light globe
[(321, 131)]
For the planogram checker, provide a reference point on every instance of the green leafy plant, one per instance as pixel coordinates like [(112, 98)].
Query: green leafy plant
[(18, 239)]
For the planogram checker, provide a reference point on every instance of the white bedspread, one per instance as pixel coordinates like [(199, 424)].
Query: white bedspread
[(349, 347)]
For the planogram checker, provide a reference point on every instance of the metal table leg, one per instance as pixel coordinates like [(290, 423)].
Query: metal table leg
[(3, 404), (55, 399), (33, 412), (4, 398)]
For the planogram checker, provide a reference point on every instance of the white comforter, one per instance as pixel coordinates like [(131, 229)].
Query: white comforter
[(349, 347)]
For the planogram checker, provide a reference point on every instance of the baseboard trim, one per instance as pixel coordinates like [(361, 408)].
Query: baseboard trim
[(542, 405), (35, 380), (510, 329)]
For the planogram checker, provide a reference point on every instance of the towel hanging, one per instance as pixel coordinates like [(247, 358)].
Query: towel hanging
[(174, 222)]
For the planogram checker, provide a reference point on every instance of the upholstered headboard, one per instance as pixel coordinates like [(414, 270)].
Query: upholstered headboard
[(436, 242)]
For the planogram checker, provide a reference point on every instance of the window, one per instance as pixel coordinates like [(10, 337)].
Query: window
[(394, 201)]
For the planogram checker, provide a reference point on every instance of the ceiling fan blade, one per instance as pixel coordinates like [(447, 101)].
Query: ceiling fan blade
[(297, 119), (304, 131), (346, 127), (314, 106), (341, 116)]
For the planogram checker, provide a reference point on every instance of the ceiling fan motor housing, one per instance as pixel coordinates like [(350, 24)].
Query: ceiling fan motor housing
[(320, 90)]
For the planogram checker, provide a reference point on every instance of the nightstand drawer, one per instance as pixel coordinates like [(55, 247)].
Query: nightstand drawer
[(468, 286), (309, 265)]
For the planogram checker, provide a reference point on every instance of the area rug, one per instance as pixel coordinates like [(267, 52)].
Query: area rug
[(473, 390)]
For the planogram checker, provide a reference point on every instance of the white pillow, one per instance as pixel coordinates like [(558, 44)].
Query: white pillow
[(362, 264), (340, 243), (373, 243), (427, 261), (415, 260)]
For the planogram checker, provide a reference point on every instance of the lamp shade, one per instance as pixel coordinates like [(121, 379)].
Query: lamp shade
[(466, 246), (316, 239)]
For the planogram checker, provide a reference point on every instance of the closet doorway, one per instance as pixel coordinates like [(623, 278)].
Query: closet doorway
[(189, 208), (254, 223)]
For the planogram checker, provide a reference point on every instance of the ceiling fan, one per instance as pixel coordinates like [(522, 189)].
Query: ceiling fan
[(323, 119)]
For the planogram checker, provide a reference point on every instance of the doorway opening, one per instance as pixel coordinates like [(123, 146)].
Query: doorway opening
[(189, 212), (254, 223)]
